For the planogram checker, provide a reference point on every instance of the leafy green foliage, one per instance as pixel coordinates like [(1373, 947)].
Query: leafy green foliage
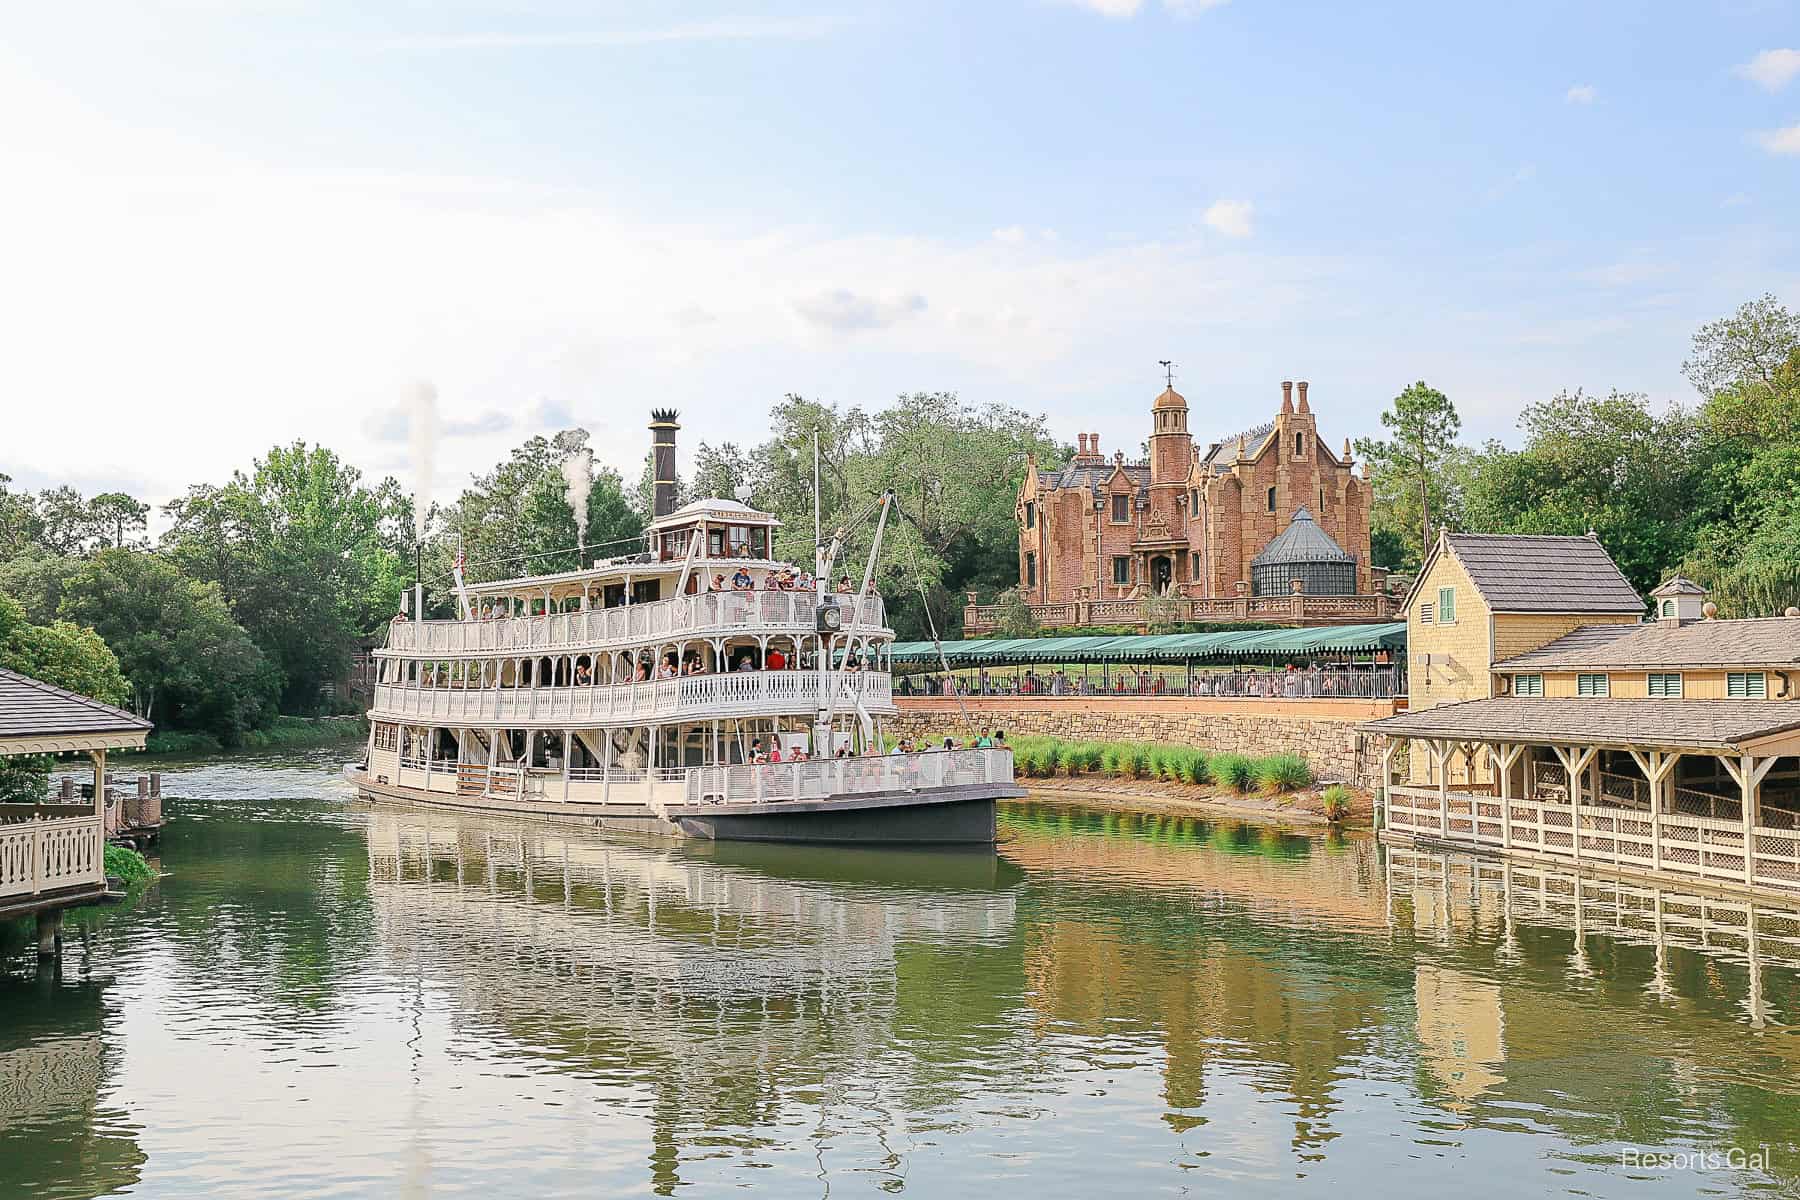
[(308, 558), (125, 863), (64, 655), (1282, 773), (190, 665), (1407, 467), (1234, 771), (1334, 803)]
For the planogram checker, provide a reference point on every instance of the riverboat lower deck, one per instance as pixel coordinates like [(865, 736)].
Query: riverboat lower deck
[(934, 798)]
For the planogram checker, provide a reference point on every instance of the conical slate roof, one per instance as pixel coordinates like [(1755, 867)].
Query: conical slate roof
[(1302, 541)]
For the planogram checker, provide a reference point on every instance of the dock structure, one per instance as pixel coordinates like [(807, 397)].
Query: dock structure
[(1551, 724), (53, 853)]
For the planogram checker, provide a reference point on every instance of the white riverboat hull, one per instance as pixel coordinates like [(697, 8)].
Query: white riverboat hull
[(953, 814)]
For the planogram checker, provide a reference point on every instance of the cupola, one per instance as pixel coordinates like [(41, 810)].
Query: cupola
[(1679, 601)]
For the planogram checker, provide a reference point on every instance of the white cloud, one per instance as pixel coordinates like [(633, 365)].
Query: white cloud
[(702, 31), (1735, 200), (1781, 141), (1110, 8), (1771, 70), (1581, 93), (1230, 217), (842, 311), (1012, 235), (1131, 8)]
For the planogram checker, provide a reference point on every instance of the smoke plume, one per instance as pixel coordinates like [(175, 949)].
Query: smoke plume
[(423, 428), (578, 474)]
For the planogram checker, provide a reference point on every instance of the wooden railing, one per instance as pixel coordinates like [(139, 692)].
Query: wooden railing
[(51, 855), (829, 778), (751, 693), (697, 615), (1676, 843), (1301, 609)]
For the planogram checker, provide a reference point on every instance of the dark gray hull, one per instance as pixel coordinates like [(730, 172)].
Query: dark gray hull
[(950, 816)]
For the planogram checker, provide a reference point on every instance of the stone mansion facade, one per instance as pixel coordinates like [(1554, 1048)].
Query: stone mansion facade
[(1271, 511)]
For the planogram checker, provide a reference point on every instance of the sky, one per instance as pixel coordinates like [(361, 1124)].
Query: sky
[(226, 226)]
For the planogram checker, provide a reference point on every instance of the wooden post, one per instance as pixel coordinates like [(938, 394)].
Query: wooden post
[(1504, 756), (1748, 774), (1659, 768), (1440, 755), (49, 931)]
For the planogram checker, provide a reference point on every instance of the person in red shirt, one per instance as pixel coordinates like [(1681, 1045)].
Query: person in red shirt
[(774, 752), (775, 661)]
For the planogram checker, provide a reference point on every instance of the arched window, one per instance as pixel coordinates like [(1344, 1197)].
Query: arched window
[(1300, 445), (1271, 499)]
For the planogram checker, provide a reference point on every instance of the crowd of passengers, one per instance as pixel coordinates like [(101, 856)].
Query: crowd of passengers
[(983, 740), (784, 579), (1292, 682), (647, 667)]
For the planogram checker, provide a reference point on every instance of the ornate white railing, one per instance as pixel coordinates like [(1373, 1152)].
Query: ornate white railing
[(830, 778), (48, 856), (1675, 842), (746, 693), (697, 615)]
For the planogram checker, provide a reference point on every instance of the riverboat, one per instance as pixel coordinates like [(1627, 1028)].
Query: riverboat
[(699, 687)]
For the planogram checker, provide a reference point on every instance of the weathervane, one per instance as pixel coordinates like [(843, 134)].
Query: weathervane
[(1168, 371)]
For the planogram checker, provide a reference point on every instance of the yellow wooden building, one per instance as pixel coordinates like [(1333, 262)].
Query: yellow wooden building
[(1548, 718)]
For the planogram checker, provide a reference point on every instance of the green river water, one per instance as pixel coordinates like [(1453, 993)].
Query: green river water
[(322, 998)]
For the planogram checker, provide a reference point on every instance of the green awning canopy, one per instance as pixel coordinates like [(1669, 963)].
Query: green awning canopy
[(1248, 645)]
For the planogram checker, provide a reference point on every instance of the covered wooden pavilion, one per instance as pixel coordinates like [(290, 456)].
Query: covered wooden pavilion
[(52, 855)]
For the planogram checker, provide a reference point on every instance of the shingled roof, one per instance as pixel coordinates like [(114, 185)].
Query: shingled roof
[(1539, 573), (32, 709), (1562, 720), (1757, 642)]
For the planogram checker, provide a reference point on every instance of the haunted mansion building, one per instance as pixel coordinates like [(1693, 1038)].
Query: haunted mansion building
[(1244, 526)]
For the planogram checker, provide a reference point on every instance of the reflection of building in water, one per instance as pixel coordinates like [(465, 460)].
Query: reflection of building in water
[(52, 1126), (1229, 999), (738, 989), (1461, 1029)]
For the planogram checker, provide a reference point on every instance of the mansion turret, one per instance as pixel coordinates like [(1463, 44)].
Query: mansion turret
[(1269, 511)]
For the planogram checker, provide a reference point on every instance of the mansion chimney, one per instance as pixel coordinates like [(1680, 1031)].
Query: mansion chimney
[(662, 448), (1301, 387)]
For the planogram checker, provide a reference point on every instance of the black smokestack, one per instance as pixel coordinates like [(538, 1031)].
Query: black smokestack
[(662, 446)]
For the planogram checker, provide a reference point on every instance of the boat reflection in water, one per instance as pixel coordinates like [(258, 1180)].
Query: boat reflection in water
[(735, 976)]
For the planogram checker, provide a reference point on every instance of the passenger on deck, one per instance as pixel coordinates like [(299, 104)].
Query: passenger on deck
[(741, 581)]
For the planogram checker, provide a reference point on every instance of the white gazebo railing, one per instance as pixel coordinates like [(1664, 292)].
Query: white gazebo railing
[(697, 615), (49, 855), (740, 693)]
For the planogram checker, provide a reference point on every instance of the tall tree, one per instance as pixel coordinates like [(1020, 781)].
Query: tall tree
[(63, 655), (189, 664), (20, 525), (115, 517), (1406, 468), (302, 551)]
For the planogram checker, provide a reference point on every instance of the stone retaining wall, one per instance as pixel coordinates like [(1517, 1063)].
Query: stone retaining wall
[(1324, 731)]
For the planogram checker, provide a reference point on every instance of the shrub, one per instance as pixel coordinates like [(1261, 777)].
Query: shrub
[(1334, 801), (1282, 773), (1068, 758), (1093, 756), (1115, 759), (1234, 771), (128, 865), (1159, 760), (1196, 769), (1137, 762)]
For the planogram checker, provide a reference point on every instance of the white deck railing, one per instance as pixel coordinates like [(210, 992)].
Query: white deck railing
[(828, 778), (684, 616), (1676, 843), (50, 855), (745, 693)]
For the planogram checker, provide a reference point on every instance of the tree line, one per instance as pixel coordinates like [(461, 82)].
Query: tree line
[(262, 588), (1710, 490)]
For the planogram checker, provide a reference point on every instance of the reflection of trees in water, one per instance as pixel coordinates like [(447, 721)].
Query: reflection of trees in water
[(733, 995), (56, 1137), (273, 910)]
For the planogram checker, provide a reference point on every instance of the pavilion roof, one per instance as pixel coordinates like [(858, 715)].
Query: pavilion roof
[(33, 712), (1714, 725)]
